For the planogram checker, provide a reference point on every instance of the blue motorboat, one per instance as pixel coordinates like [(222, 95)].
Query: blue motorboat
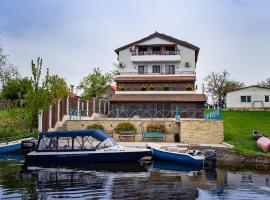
[(177, 154), (90, 146), (12, 146)]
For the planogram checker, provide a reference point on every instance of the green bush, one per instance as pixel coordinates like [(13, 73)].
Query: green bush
[(124, 126), (95, 126), (9, 133)]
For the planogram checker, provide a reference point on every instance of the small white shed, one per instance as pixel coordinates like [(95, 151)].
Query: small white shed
[(252, 97)]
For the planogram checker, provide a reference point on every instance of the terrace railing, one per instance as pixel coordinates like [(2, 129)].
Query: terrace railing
[(213, 114), (160, 73)]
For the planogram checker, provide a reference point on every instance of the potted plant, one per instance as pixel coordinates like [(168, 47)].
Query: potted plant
[(154, 131), (95, 126), (125, 129)]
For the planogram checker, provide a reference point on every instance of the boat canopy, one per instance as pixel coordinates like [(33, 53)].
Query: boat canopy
[(97, 134)]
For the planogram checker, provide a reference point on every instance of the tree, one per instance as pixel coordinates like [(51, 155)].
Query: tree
[(95, 84), (218, 84), (43, 92), (7, 70), (265, 83), (16, 88)]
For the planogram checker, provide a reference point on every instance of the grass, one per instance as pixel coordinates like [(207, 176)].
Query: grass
[(238, 127), (14, 124)]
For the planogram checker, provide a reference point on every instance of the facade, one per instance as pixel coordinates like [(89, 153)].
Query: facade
[(252, 97), (156, 78)]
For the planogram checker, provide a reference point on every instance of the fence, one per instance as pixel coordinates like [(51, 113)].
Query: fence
[(213, 114)]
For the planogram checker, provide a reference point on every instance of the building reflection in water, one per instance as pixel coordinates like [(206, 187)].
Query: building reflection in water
[(119, 181)]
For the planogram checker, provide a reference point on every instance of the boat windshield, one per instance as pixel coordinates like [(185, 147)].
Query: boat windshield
[(73, 143), (109, 142)]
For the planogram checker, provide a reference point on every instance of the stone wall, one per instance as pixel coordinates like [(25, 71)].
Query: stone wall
[(191, 131), (200, 131)]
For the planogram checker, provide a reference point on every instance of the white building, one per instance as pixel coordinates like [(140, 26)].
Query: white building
[(252, 97), (157, 75)]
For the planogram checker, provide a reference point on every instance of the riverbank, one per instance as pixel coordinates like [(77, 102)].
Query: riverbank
[(238, 127)]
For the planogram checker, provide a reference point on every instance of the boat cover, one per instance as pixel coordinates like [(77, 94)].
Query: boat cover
[(97, 134)]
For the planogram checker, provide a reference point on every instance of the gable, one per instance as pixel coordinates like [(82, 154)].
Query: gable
[(155, 41)]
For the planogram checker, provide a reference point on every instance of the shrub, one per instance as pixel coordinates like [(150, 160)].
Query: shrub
[(124, 126), (96, 126), (155, 127)]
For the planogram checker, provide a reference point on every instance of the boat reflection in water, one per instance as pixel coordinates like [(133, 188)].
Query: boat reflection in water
[(159, 180)]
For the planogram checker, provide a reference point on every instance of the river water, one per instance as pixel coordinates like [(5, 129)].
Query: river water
[(158, 180)]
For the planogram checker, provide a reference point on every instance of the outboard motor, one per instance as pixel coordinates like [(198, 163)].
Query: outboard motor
[(210, 158), (27, 146)]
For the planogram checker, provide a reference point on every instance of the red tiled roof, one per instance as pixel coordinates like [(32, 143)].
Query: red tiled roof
[(165, 37), (158, 98), (155, 78)]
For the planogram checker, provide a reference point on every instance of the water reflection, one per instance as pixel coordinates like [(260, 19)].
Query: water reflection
[(159, 180)]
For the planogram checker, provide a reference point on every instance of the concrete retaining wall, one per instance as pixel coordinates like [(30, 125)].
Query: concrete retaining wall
[(192, 131)]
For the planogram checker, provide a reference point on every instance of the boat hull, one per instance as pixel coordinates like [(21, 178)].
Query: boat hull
[(87, 157), (176, 157), (9, 148)]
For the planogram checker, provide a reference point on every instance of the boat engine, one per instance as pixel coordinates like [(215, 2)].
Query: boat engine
[(210, 158), (27, 146)]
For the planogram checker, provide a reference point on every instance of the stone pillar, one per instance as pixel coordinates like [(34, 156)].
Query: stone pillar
[(104, 107), (87, 108), (94, 105), (68, 105), (58, 110), (50, 116), (78, 107), (99, 106), (40, 114)]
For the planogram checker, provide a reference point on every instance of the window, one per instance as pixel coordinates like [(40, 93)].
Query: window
[(142, 50), (170, 50), (156, 69), (64, 143), (156, 50), (142, 69), (169, 69), (47, 144), (266, 98), (245, 99)]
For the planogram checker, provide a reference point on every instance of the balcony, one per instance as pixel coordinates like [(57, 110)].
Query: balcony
[(156, 56), (187, 73)]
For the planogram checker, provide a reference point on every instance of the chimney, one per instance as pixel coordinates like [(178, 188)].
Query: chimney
[(71, 88)]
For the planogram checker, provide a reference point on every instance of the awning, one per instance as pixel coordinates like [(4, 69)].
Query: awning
[(158, 98)]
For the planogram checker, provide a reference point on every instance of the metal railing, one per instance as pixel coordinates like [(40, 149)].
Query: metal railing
[(161, 73), (147, 53), (213, 114)]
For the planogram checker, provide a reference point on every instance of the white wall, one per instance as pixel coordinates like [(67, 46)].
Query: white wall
[(233, 98), (187, 55)]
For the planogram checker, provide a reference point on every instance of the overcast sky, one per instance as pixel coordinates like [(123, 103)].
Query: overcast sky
[(75, 36)]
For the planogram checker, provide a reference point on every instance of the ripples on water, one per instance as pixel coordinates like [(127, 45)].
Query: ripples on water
[(160, 180)]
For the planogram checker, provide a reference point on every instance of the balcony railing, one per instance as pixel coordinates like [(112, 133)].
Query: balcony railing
[(161, 73), (143, 53)]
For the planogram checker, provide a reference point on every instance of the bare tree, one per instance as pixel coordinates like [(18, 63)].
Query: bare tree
[(265, 83), (218, 84)]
